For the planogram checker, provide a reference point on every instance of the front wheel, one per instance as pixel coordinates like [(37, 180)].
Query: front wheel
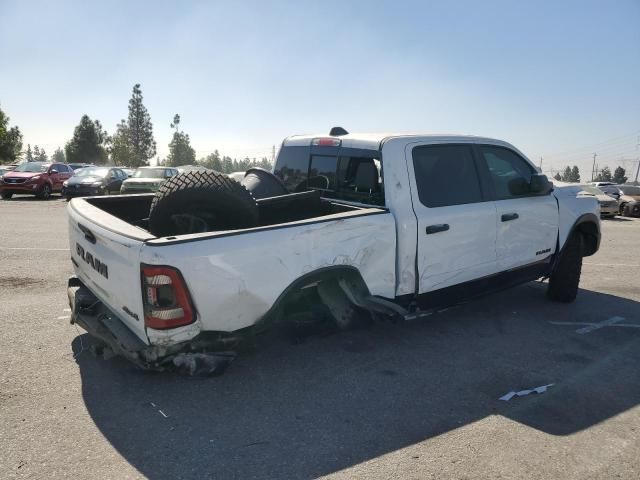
[(45, 192), (7, 196), (565, 278)]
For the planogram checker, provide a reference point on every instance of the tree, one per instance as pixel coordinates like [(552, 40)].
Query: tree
[(571, 174), (604, 175), (619, 175), (39, 155), (180, 151), (139, 131), (558, 177), (575, 174), (88, 143), (58, 156), (212, 161), (227, 165), (28, 155), (120, 147), (10, 140)]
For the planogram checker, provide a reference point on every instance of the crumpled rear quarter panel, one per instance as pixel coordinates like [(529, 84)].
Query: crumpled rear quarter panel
[(234, 280)]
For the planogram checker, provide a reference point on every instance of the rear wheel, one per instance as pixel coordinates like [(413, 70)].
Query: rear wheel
[(564, 281), (7, 196)]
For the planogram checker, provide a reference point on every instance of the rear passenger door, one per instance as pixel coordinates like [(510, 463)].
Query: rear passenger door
[(527, 225), (456, 216)]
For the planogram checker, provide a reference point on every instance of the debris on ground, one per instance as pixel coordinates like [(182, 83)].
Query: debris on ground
[(523, 393)]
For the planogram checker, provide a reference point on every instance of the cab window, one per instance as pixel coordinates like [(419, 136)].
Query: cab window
[(508, 171), (446, 175)]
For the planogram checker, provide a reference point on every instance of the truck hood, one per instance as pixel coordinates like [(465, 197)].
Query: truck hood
[(630, 198)]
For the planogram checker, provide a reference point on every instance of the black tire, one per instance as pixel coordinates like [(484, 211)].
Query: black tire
[(201, 201), (45, 192), (623, 210), (565, 278), (7, 196)]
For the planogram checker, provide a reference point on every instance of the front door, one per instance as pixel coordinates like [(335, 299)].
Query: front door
[(456, 217), (527, 225)]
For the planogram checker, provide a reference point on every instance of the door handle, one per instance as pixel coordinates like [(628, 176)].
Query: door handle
[(441, 227), (507, 217)]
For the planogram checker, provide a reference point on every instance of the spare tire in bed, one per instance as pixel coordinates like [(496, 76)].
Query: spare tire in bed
[(201, 201)]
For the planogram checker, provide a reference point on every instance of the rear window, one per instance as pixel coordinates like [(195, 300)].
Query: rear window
[(322, 174), (344, 173), (292, 166)]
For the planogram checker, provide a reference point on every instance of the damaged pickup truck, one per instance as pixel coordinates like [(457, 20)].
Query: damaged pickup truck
[(394, 226)]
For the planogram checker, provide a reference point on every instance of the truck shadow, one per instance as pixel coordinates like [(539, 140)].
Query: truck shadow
[(301, 411)]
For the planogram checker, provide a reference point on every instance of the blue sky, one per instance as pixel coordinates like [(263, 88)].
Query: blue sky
[(557, 79)]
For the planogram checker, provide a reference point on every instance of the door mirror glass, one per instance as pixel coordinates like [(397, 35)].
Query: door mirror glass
[(540, 185)]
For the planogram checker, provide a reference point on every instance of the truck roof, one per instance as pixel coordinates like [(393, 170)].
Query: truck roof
[(372, 141)]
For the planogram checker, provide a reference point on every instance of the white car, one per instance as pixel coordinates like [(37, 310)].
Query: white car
[(399, 225)]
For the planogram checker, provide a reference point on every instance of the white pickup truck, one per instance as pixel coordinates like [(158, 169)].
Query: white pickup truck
[(396, 225)]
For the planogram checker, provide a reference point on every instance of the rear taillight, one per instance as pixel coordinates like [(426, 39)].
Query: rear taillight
[(167, 303)]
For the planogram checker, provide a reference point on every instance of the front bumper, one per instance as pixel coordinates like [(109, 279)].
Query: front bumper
[(195, 357), (82, 191), (609, 209), (19, 188)]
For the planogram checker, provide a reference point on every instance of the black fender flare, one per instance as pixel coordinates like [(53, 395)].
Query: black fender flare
[(588, 225)]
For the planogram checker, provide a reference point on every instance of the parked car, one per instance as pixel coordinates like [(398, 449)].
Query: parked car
[(147, 179), (36, 178), (76, 166), (608, 205), (629, 200), (91, 181), (129, 171), (405, 226)]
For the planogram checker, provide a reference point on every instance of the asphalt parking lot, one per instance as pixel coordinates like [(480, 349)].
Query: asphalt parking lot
[(414, 401)]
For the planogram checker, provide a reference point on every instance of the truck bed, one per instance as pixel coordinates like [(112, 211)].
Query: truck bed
[(134, 209)]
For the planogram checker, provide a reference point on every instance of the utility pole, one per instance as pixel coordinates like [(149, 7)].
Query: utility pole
[(273, 155), (635, 182), (540, 164), (593, 168)]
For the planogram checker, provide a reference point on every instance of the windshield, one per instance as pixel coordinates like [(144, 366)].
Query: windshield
[(32, 167), (630, 190), (592, 190), (92, 172), (149, 173)]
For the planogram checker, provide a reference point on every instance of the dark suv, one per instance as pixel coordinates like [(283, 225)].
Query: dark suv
[(35, 178)]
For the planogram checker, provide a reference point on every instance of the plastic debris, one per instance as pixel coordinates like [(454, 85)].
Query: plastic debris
[(523, 393)]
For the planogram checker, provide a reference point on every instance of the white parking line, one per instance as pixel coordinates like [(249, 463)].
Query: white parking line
[(611, 265), (591, 326), (36, 249)]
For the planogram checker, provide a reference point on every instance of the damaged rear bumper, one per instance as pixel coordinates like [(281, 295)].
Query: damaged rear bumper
[(195, 357)]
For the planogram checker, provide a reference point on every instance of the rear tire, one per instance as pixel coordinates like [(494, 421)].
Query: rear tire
[(565, 279), (201, 201), (7, 196)]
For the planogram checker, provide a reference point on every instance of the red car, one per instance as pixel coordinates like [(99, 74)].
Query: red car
[(35, 178)]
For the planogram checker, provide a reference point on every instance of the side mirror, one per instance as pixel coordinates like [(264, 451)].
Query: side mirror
[(52, 171), (540, 185)]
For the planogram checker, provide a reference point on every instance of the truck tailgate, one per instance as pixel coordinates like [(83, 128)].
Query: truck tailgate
[(105, 255)]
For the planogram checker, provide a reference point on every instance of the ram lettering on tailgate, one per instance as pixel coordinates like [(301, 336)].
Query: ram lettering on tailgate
[(92, 261)]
